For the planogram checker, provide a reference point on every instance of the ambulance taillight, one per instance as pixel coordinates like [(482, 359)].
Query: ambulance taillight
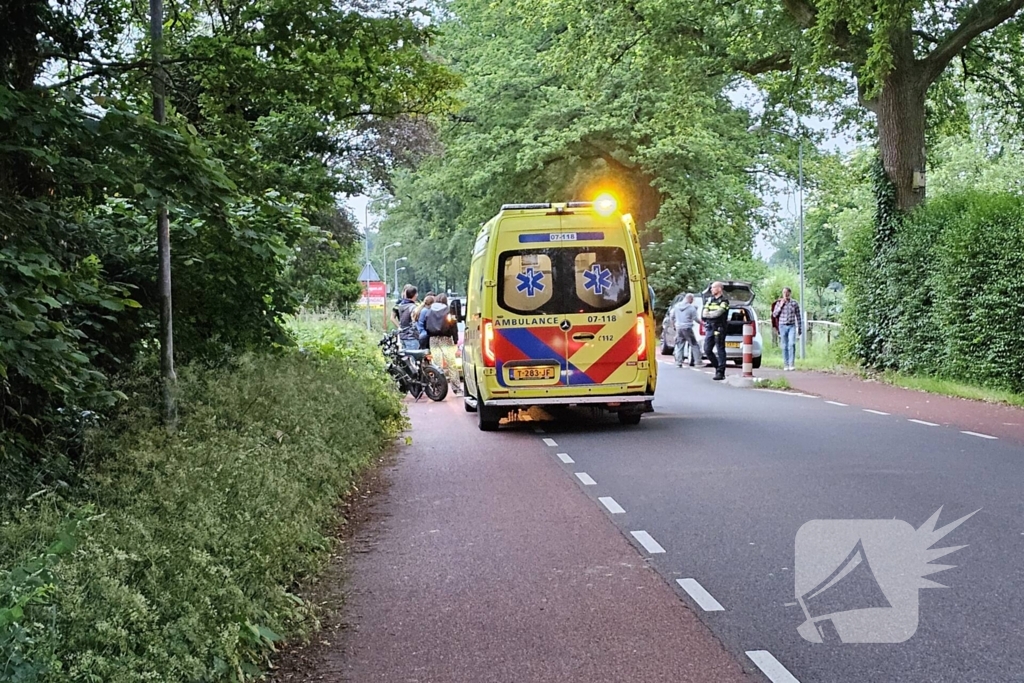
[(641, 338), (488, 343)]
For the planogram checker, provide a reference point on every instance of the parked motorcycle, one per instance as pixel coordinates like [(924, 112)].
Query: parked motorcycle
[(413, 370)]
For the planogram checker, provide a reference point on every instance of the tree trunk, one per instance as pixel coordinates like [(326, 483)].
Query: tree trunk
[(901, 120)]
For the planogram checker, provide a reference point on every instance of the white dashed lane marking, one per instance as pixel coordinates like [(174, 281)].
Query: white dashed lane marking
[(550, 442), (837, 403), (648, 542), (586, 479), (610, 504), (983, 436), (922, 422), (700, 595), (873, 412), (771, 667), (564, 457)]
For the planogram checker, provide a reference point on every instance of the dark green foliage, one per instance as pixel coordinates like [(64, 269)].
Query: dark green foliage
[(187, 571), (678, 267), (275, 109), (940, 294)]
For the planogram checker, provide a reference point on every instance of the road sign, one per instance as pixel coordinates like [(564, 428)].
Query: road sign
[(374, 294)]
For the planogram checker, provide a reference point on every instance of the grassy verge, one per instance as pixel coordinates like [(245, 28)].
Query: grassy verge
[(771, 383), (950, 388), (175, 558), (820, 356)]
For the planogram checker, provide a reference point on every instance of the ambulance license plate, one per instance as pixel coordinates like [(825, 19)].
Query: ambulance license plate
[(545, 372), (732, 345)]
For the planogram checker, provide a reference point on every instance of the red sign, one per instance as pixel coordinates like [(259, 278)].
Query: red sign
[(375, 292)]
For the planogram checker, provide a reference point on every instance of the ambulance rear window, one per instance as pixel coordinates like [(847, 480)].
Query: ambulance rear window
[(561, 280)]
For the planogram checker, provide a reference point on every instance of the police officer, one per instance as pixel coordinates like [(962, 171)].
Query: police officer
[(716, 320)]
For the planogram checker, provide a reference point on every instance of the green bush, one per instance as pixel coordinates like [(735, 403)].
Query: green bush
[(188, 571), (940, 295)]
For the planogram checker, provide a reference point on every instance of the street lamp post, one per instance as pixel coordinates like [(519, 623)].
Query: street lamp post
[(397, 261), (384, 260), (803, 307)]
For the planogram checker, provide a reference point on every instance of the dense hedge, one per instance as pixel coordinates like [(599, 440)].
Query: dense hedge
[(941, 292), (176, 558)]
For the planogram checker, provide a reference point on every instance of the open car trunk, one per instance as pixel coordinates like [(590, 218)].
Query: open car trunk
[(737, 318), (739, 293)]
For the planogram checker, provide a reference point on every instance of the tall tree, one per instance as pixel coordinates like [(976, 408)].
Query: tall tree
[(896, 50)]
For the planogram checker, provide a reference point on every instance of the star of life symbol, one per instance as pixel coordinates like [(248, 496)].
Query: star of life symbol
[(857, 580), (597, 279), (530, 282)]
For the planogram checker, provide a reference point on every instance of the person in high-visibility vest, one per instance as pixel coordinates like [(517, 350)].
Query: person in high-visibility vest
[(716, 321)]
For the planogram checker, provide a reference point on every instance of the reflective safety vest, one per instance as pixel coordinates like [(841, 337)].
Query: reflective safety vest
[(716, 310)]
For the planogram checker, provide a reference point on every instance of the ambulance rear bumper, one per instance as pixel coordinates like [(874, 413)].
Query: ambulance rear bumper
[(572, 400)]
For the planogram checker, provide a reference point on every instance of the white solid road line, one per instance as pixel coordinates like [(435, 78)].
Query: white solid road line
[(586, 479), (837, 403), (983, 436), (550, 442), (649, 544), (611, 505), (873, 412), (771, 667), (699, 595), (564, 457), (922, 422)]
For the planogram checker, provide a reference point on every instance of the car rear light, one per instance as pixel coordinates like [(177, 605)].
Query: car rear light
[(641, 338), (753, 328), (488, 343)]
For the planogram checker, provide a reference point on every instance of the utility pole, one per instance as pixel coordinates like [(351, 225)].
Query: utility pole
[(163, 229), (803, 309), (366, 240)]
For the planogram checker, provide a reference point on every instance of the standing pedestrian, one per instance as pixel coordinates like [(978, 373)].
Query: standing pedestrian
[(443, 332), (685, 315), (419, 317), (403, 313), (716, 323), (791, 324)]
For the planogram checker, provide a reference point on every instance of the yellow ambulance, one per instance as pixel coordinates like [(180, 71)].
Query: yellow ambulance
[(558, 313)]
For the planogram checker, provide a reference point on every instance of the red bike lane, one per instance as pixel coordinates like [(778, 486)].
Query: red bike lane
[(992, 419)]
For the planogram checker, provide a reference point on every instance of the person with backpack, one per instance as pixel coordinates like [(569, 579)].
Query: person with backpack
[(407, 334), (420, 317), (443, 332)]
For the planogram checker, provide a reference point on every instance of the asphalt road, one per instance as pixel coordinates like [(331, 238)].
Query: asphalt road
[(723, 478)]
